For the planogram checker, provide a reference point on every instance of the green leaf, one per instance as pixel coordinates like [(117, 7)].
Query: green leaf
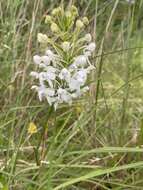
[(97, 173)]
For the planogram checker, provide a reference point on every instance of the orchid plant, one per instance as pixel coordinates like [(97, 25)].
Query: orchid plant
[(63, 68)]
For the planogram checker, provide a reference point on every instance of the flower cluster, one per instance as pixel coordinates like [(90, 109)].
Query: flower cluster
[(64, 67)]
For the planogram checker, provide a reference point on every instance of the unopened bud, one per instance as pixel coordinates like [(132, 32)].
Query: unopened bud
[(79, 24), (56, 11), (74, 10), (85, 20), (88, 37), (48, 19), (66, 46), (54, 27), (42, 38), (68, 14)]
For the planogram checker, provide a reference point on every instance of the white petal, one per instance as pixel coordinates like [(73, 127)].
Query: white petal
[(37, 59), (51, 73), (50, 83), (49, 53), (80, 60), (87, 53), (91, 47), (64, 74), (50, 100), (74, 84), (34, 87), (50, 92), (55, 105), (45, 59), (34, 74), (73, 66), (85, 89), (41, 92)]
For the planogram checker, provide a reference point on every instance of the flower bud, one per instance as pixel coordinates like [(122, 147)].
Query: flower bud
[(42, 38), (66, 46), (68, 14), (85, 20), (74, 10), (56, 11), (48, 19), (79, 24), (54, 27), (88, 37)]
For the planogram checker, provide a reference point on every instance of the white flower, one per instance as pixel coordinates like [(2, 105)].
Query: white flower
[(39, 76), (49, 53), (40, 90), (66, 46), (64, 95), (58, 82), (44, 92), (42, 78), (74, 84), (78, 80), (49, 95), (81, 76), (49, 75), (81, 61), (53, 57), (46, 60), (37, 59), (49, 92), (43, 59), (73, 66), (88, 37), (65, 74), (91, 47)]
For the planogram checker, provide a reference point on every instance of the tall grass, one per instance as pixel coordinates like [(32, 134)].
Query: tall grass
[(97, 142)]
